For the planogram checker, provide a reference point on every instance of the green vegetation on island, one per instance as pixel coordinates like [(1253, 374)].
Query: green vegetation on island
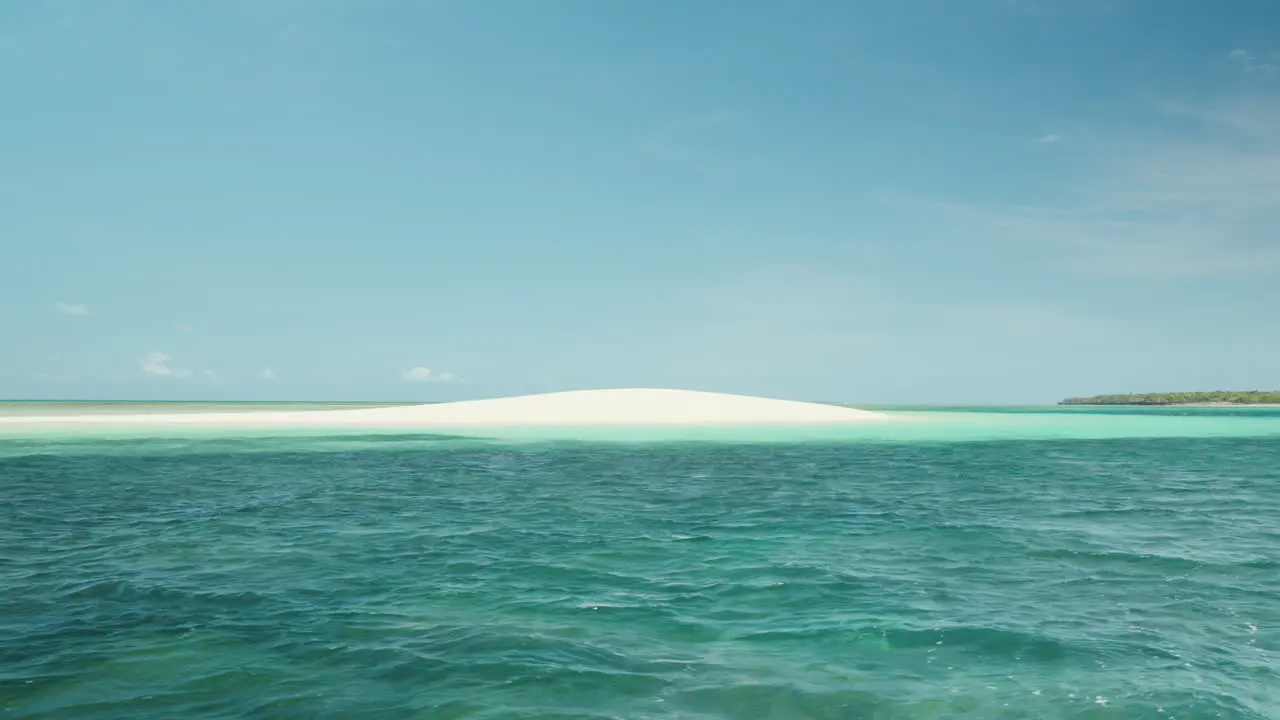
[(1216, 397)]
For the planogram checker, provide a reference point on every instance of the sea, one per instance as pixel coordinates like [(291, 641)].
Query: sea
[(1067, 562)]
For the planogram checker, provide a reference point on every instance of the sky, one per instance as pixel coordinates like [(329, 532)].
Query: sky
[(924, 201)]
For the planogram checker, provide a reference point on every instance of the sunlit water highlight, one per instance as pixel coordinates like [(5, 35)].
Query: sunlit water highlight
[(1014, 563)]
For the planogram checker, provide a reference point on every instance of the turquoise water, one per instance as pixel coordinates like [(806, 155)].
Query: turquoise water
[(1001, 563)]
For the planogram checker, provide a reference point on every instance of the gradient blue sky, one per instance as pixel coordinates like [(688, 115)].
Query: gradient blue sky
[(914, 201)]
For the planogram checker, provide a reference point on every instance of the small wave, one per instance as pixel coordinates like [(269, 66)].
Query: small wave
[(124, 591), (696, 580)]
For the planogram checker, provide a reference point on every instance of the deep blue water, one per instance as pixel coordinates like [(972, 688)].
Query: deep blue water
[(401, 576)]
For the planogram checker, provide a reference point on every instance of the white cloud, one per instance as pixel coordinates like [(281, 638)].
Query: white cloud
[(184, 328), (422, 374), (269, 375), (157, 363), (66, 308), (1249, 61), (1049, 139)]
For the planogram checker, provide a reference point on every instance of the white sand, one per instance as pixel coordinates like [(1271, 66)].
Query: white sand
[(568, 409)]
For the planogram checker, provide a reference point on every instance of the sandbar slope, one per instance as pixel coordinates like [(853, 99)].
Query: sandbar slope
[(572, 408)]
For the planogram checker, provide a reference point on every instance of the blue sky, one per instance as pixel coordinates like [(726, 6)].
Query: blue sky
[(918, 201)]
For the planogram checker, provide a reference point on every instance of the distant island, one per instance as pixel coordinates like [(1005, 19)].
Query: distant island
[(1217, 397)]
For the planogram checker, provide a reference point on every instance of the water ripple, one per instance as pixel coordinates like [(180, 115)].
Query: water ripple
[(289, 578)]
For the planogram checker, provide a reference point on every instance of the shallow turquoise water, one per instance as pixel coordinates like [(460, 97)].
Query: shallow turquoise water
[(1010, 563)]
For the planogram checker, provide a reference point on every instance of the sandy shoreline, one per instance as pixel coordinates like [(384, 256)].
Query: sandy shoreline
[(1225, 405), (636, 407), (1173, 405)]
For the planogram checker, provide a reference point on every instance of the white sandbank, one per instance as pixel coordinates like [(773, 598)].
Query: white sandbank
[(567, 409)]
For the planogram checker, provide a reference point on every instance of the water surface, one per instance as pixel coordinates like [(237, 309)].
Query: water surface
[(957, 563)]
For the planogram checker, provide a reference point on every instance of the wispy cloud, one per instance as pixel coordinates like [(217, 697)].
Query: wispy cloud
[(422, 374), (1250, 62), (1196, 193), (269, 375), (678, 143), (1049, 139), (158, 364), (1057, 7), (58, 378), (795, 328), (184, 328), (752, 324), (1095, 241), (66, 308), (819, 312)]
